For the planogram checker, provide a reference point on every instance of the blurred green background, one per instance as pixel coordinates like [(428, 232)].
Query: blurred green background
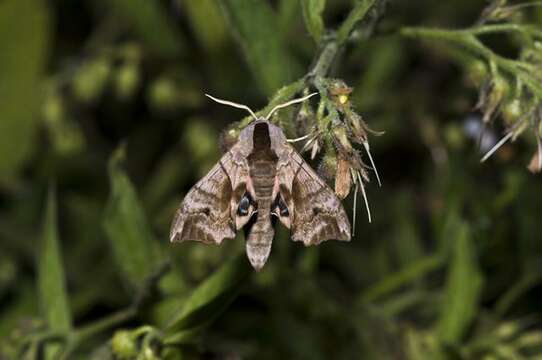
[(104, 127)]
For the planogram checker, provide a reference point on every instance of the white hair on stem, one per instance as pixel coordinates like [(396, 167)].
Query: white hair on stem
[(497, 146), (366, 145), (507, 136), (364, 195), (354, 210)]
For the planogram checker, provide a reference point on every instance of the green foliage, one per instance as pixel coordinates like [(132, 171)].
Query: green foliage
[(463, 290), (125, 223), (450, 266), (212, 297), (257, 30), (149, 21), (24, 35), (312, 13), (51, 279)]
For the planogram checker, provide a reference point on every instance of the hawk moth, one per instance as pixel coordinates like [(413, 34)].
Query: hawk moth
[(260, 179)]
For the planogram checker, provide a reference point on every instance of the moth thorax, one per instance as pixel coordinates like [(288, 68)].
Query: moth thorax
[(260, 137)]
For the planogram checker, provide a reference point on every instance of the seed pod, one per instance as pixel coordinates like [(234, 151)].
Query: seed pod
[(535, 163), (343, 180)]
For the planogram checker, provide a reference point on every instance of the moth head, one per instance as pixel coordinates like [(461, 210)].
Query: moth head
[(257, 118), (246, 207)]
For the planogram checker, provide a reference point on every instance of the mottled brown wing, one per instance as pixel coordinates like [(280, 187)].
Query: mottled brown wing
[(316, 214), (205, 213)]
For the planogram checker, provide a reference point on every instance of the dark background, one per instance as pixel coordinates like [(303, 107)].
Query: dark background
[(102, 112)]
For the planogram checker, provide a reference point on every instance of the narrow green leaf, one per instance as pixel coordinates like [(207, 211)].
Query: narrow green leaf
[(415, 270), (207, 23), (312, 14), (361, 8), (288, 16), (24, 35), (212, 297), (133, 243), (463, 289), (149, 20), (255, 27), (52, 294)]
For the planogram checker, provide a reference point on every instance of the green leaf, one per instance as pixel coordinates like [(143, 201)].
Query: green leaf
[(201, 14), (415, 270), (52, 293), (463, 289), (312, 14), (24, 35), (288, 16), (255, 27), (149, 20), (133, 243), (212, 297)]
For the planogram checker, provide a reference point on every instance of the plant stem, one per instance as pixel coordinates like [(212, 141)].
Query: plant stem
[(404, 276), (496, 28), (357, 14), (97, 327), (467, 40), (325, 59)]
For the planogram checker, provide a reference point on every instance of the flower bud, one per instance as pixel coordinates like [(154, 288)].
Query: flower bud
[(124, 345), (512, 111), (91, 79), (127, 80), (476, 72), (339, 93)]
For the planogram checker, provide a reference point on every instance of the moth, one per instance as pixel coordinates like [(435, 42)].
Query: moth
[(259, 180)]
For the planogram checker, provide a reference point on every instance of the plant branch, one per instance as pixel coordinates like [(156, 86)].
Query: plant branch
[(468, 40), (357, 14), (147, 291)]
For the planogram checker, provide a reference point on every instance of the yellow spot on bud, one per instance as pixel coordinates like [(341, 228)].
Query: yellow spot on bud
[(343, 99)]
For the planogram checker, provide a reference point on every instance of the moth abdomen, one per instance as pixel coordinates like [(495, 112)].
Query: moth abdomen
[(259, 240)]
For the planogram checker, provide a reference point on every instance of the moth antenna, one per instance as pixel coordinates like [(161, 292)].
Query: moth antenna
[(497, 146), (291, 102), (231, 103), (364, 196), (298, 139), (366, 145)]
